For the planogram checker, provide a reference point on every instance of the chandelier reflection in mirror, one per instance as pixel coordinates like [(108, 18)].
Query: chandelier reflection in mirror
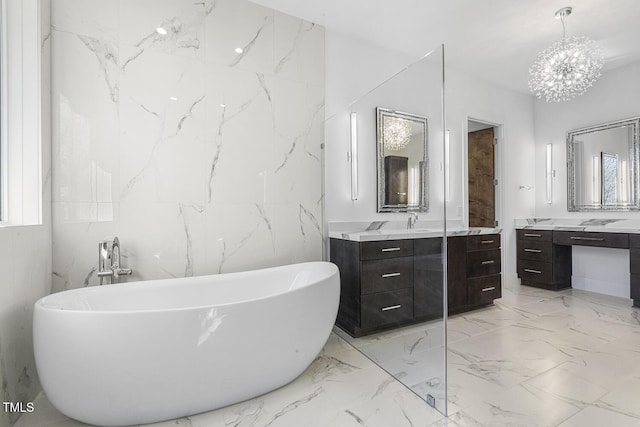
[(567, 68), (396, 133)]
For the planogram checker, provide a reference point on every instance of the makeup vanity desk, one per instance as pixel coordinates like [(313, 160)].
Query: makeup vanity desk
[(544, 249)]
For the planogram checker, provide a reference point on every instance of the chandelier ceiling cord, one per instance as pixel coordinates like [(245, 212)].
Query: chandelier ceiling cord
[(567, 68)]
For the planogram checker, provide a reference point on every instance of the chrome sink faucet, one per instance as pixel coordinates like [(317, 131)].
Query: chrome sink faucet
[(109, 261), (411, 221)]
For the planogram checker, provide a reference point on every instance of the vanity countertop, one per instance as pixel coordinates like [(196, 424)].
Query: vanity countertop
[(400, 234), (621, 225)]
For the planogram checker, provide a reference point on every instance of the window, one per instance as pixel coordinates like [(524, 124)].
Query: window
[(20, 113)]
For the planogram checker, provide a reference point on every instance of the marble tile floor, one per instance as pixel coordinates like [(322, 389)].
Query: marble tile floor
[(536, 358), (341, 388)]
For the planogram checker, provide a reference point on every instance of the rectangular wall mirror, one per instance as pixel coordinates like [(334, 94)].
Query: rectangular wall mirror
[(402, 161), (602, 167)]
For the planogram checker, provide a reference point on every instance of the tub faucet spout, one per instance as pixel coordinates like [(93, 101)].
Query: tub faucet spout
[(109, 261), (411, 221)]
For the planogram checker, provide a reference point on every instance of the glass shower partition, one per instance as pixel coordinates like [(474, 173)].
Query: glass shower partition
[(382, 190)]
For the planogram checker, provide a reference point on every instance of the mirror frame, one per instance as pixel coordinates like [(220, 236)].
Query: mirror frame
[(634, 154), (423, 205)]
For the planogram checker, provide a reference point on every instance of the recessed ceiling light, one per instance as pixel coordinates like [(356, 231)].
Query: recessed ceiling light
[(161, 31), (222, 105), (173, 98), (238, 50)]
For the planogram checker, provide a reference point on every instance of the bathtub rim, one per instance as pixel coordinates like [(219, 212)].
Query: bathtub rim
[(40, 304)]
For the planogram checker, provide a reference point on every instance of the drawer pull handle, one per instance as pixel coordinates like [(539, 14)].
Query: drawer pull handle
[(532, 235), (488, 289), (391, 307), (528, 270), (384, 276), (535, 251), (486, 242), (487, 262), (390, 249), (593, 239), (401, 194)]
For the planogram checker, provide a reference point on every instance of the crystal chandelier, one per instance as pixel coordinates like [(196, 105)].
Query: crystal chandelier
[(567, 68), (397, 133)]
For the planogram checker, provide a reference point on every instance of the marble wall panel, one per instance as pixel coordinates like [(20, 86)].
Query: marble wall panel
[(202, 160)]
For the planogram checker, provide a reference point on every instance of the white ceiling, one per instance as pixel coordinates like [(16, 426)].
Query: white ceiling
[(496, 40)]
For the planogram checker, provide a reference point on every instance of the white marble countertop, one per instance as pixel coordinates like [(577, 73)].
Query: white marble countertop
[(581, 224), (397, 230)]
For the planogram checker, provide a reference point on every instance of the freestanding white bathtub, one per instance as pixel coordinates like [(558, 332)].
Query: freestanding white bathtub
[(142, 352)]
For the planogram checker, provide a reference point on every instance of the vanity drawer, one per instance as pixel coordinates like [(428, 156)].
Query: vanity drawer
[(535, 250), (386, 275), (587, 238), (484, 241), (529, 234), (483, 290), (535, 271), (386, 249), (385, 308), (483, 263)]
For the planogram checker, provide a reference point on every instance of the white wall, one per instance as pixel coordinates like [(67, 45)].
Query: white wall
[(25, 251), (613, 97), (199, 159), (351, 68)]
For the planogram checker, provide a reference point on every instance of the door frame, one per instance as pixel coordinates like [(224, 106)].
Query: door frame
[(497, 165)]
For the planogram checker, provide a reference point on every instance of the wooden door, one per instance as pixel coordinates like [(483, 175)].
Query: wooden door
[(482, 206), (396, 180)]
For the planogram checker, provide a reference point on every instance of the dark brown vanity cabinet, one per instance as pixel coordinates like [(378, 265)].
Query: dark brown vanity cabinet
[(397, 282), (541, 263), (473, 271), (387, 283)]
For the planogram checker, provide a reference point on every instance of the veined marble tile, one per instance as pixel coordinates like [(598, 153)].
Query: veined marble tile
[(481, 321), (94, 18), (578, 340), (592, 416), (402, 407), (465, 389), (236, 24), (603, 368), (162, 130), (522, 406), (85, 120), (298, 230), (402, 346), (298, 49), (566, 385), (178, 251), (535, 354), (297, 150), (251, 242), (240, 150), (624, 399), (183, 21)]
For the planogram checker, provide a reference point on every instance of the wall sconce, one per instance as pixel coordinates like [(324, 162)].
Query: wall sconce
[(353, 156), (597, 189), (549, 174), (447, 194)]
